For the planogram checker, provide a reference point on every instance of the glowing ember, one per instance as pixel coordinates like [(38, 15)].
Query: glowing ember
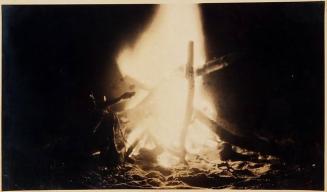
[(157, 61)]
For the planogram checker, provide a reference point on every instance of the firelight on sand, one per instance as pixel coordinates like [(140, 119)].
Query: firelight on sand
[(158, 61)]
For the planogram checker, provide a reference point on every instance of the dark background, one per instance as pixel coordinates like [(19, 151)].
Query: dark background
[(53, 56)]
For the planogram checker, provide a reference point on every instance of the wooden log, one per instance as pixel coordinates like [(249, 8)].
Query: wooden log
[(190, 96), (250, 142), (212, 66)]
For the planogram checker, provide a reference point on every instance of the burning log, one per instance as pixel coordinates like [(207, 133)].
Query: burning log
[(250, 142), (189, 102), (212, 66)]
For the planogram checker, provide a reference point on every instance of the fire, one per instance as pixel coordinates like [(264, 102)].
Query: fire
[(157, 62), (167, 160)]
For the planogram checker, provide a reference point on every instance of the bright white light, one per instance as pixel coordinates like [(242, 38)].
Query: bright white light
[(158, 60)]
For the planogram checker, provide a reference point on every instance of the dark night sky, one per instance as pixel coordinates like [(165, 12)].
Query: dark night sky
[(54, 55)]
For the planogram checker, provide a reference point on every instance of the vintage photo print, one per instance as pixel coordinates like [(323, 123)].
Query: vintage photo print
[(163, 96)]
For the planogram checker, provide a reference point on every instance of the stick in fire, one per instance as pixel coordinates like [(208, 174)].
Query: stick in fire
[(209, 67), (213, 65), (189, 101)]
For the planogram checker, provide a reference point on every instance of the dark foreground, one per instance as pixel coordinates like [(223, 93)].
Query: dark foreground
[(240, 169)]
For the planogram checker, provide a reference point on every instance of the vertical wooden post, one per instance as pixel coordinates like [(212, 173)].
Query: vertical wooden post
[(190, 95)]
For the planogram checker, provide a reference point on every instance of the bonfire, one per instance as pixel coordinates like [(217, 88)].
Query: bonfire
[(170, 111)]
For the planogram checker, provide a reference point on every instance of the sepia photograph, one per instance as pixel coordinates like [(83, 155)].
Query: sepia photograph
[(163, 96)]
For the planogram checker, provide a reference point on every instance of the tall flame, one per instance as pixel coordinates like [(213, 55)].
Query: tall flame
[(158, 61)]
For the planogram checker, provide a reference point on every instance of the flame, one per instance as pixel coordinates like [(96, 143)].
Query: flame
[(157, 61), (167, 160)]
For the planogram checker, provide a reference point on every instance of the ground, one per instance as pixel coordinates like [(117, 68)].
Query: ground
[(240, 169)]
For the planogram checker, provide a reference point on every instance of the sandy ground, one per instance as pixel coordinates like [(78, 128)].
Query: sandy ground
[(242, 170)]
